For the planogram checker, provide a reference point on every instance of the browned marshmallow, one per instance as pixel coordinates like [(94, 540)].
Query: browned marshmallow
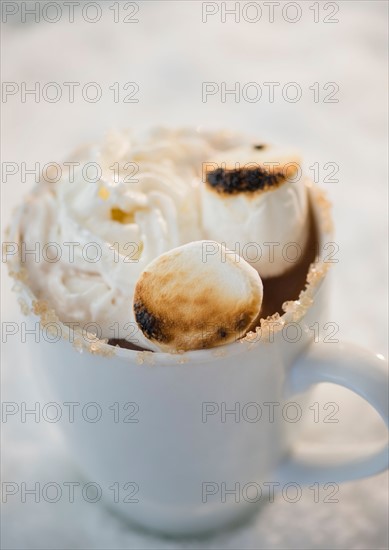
[(254, 201), (197, 296)]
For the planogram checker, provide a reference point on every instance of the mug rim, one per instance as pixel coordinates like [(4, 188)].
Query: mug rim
[(323, 217)]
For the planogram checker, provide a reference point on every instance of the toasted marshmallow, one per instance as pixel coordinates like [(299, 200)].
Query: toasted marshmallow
[(255, 202), (199, 295)]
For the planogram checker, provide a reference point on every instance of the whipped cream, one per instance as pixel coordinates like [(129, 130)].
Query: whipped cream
[(124, 220)]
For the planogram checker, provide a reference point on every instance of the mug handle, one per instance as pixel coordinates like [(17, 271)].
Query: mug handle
[(363, 372)]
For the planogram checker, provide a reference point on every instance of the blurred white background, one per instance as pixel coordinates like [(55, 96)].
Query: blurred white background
[(169, 53)]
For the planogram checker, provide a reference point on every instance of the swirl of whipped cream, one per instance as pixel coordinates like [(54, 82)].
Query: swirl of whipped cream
[(144, 204)]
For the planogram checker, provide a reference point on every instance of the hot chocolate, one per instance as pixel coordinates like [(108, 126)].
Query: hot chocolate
[(160, 198), (287, 286)]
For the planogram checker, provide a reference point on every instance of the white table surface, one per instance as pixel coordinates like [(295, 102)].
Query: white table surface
[(170, 52)]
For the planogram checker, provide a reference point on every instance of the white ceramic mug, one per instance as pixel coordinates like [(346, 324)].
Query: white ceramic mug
[(170, 464)]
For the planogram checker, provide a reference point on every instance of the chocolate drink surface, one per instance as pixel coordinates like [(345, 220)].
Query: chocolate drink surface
[(285, 287)]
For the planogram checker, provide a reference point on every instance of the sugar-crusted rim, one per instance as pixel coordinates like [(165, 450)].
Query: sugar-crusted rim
[(294, 310)]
